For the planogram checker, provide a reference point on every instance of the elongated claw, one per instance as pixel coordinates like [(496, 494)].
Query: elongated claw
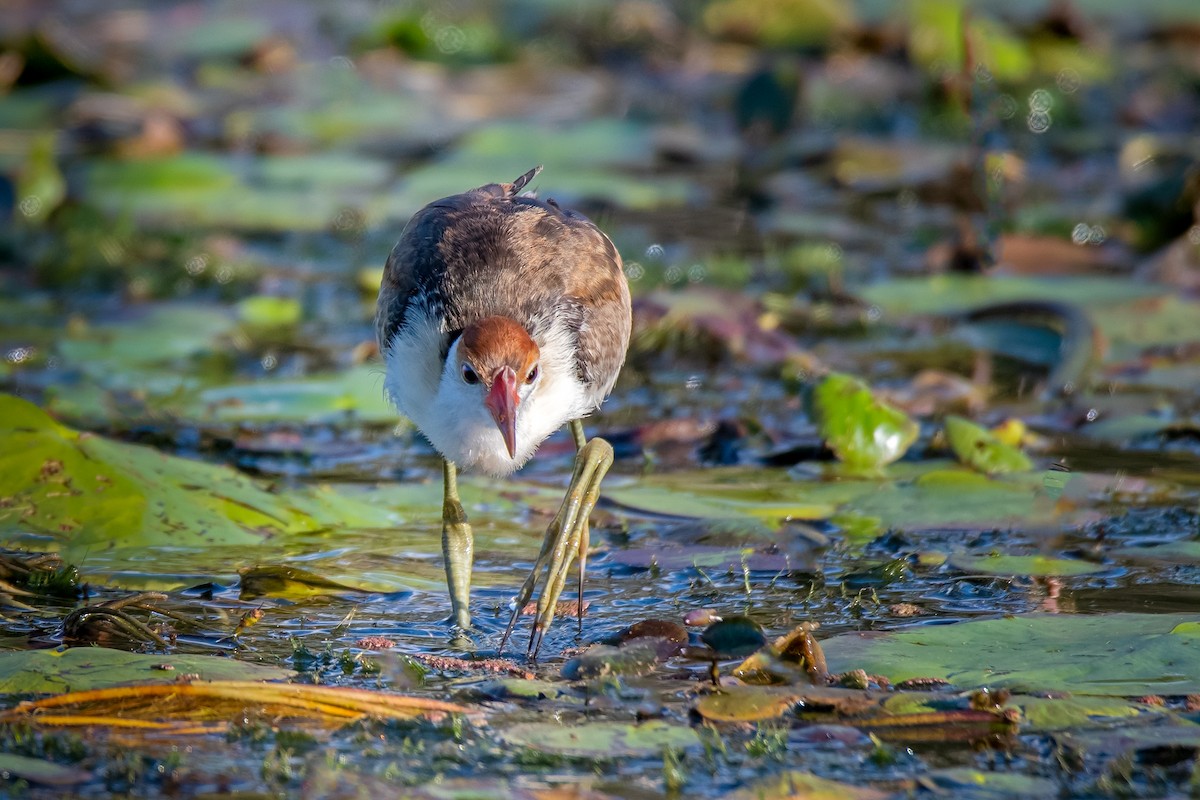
[(566, 537)]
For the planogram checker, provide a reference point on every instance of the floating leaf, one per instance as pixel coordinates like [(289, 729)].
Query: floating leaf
[(41, 771), (757, 703), (88, 494), (291, 583), (1000, 564), (84, 668), (795, 784), (1060, 713), (265, 311), (734, 636), (355, 393), (190, 706), (863, 432), (992, 785), (41, 186), (1121, 655), (600, 740), (979, 449)]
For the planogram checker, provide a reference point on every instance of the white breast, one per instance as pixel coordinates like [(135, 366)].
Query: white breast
[(451, 413)]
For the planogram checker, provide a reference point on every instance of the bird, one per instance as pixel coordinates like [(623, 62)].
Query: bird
[(500, 319)]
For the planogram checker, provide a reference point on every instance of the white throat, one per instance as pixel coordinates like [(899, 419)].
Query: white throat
[(451, 413)]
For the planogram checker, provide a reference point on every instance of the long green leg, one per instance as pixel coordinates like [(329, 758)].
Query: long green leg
[(566, 537), (458, 548)]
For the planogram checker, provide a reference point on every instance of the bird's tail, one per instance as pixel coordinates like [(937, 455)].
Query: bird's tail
[(513, 189)]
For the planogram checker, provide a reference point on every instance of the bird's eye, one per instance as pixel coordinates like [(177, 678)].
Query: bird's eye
[(532, 376), (469, 375)]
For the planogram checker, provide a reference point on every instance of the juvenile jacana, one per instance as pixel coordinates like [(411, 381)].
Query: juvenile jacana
[(502, 318)]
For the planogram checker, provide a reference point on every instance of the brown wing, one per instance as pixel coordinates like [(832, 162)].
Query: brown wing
[(417, 266), (490, 252)]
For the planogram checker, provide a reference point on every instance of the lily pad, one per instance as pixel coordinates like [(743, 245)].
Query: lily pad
[(958, 781), (980, 449), (1119, 655), (82, 668), (602, 740), (865, 433), (1000, 564), (1061, 713), (87, 493), (356, 393), (797, 784), (41, 771)]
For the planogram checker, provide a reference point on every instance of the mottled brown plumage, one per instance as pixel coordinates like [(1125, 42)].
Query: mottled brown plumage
[(501, 319), (491, 252)]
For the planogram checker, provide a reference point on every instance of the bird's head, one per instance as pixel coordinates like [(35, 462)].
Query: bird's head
[(498, 359)]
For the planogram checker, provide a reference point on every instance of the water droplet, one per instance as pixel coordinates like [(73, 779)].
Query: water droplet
[(874, 314), (1080, 233), (634, 271), (1040, 100), (450, 39), (655, 251), (269, 362), (1194, 235), (695, 273), (1005, 106), (1068, 80), (341, 62), (224, 275), (31, 205), (1098, 235), (1038, 121), (196, 264), (673, 274), (1091, 415), (19, 355), (983, 74), (693, 383)]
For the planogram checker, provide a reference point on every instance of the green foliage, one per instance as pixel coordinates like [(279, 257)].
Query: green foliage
[(1119, 655), (864, 433), (82, 668), (981, 450)]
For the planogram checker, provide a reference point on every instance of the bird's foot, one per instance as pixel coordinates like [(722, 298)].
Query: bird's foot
[(566, 538)]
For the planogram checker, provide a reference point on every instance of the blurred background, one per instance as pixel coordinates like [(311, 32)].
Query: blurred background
[(199, 197), (980, 208)]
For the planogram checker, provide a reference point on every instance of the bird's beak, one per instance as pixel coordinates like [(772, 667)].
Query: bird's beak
[(502, 401)]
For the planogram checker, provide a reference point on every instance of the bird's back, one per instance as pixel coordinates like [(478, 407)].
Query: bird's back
[(491, 252)]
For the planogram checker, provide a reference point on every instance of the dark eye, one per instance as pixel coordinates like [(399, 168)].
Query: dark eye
[(532, 376), (469, 375)]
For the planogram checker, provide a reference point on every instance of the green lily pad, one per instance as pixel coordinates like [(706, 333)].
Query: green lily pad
[(82, 668), (1119, 655), (41, 771), (748, 703), (979, 449), (798, 784), (161, 336), (596, 159), (947, 294), (602, 740), (355, 393), (964, 781), (86, 493), (1061, 713), (265, 311), (1000, 564), (41, 186), (865, 433)]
